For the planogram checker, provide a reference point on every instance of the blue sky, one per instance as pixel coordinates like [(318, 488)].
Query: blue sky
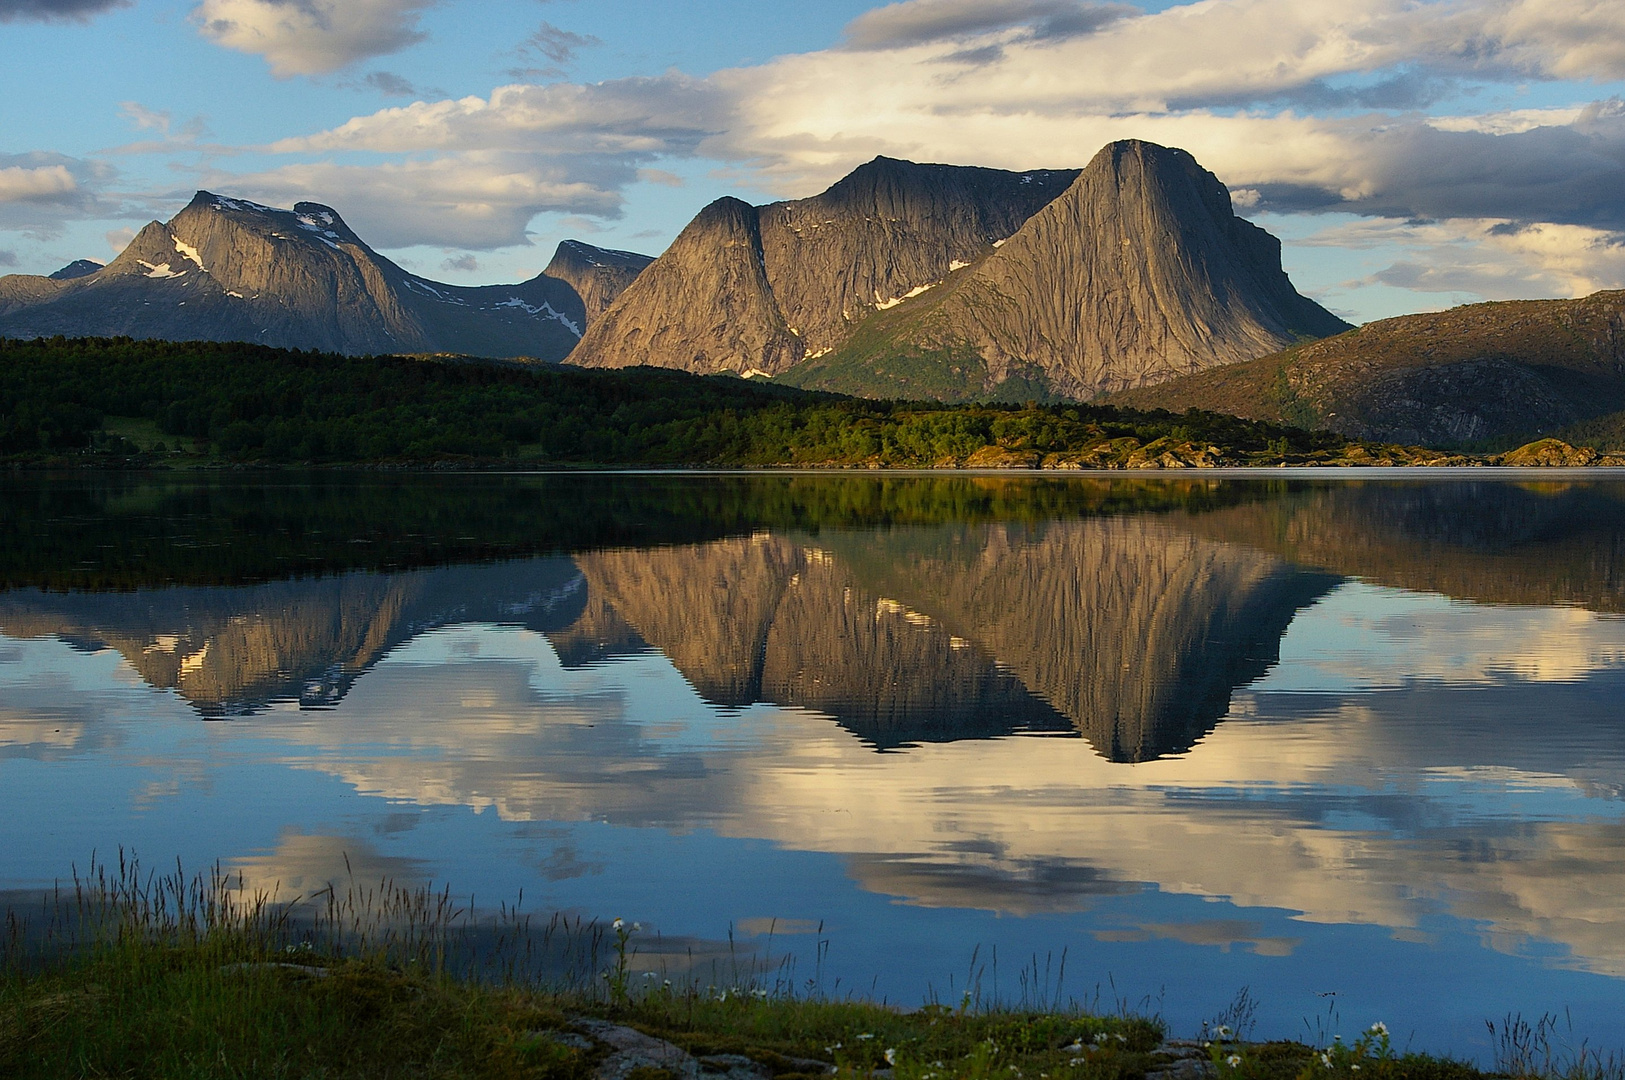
[(1411, 155)]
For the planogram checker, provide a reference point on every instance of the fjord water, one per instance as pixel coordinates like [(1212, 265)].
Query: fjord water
[(1355, 744)]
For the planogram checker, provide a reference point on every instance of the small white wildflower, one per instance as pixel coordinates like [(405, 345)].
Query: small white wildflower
[(1356, 1068), (1379, 1028), (1121, 1038), (1223, 1032), (1326, 1060), (1077, 1046), (637, 926), (1077, 1061), (866, 1035), (891, 1056), (617, 924), (1234, 1061)]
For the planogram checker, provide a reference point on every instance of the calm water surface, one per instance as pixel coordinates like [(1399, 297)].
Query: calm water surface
[(1358, 746)]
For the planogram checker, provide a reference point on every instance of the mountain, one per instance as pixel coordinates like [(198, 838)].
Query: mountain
[(1138, 272), (78, 268), (1496, 372), (949, 282), (598, 275), (756, 289), (705, 305), (228, 269)]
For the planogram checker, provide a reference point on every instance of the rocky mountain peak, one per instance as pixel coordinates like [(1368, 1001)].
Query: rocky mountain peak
[(598, 275), (230, 269), (78, 268), (704, 306), (1140, 271)]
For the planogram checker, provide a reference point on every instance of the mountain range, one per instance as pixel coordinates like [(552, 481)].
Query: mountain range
[(900, 280), (227, 269), (1130, 280), (949, 282)]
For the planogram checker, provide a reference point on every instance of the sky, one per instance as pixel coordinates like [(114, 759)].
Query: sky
[(1410, 154)]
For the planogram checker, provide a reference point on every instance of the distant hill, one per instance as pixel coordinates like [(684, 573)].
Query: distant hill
[(1483, 374), (954, 283), (227, 269)]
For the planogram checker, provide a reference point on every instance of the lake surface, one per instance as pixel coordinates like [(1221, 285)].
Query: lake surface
[(1356, 745)]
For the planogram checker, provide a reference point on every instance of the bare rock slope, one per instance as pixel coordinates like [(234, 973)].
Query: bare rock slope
[(231, 270), (1139, 272), (941, 281), (747, 289)]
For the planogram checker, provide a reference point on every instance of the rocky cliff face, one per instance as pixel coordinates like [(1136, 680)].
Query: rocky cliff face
[(884, 231), (598, 275), (704, 306), (746, 289), (231, 270), (1139, 272)]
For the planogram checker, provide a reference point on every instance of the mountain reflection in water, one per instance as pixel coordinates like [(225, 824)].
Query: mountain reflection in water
[(1439, 752)]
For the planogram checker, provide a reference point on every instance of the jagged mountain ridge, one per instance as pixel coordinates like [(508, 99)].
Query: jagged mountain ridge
[(1507, 370), (227, 269), (755, 289), (1138, 273)]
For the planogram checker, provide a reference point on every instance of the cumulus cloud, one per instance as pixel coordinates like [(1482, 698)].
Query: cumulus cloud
[(311, 37), (40, 191), (465, 264), (1484, 258), (55, 10), (47, 183)]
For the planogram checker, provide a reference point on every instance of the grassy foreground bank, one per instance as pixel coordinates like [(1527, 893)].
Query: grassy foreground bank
[(137, 976)]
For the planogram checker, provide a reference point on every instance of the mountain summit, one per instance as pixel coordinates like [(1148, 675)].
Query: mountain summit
[(226, 269)]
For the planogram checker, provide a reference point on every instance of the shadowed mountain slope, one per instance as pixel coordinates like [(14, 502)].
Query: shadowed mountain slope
[(231, 270), (1139, 272), (1483, 373)]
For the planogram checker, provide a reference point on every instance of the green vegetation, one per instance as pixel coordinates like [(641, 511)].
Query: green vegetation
[(139, 975), (143, 402)]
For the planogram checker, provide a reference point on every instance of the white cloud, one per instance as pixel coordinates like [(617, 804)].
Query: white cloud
[(1492, 259), (40, 191), (49, 183), (311, 37)]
